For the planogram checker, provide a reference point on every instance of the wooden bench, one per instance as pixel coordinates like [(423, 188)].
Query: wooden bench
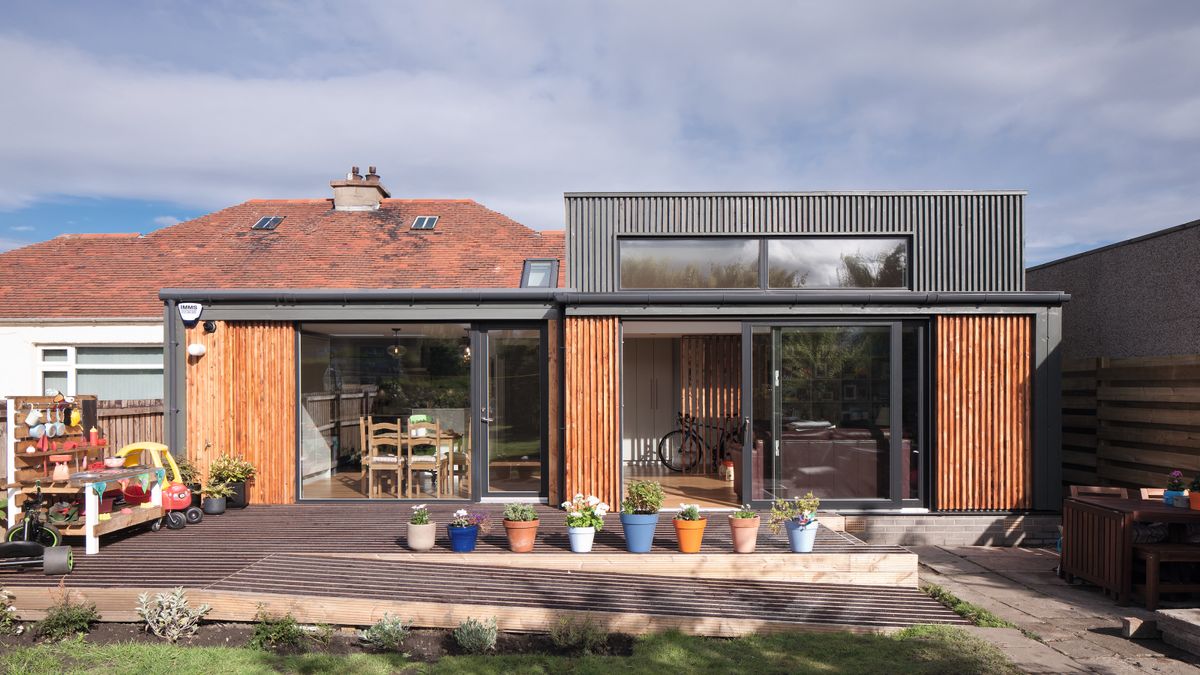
[(1155, 555)]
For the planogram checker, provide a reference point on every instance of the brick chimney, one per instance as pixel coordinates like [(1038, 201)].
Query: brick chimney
[(358, 193)]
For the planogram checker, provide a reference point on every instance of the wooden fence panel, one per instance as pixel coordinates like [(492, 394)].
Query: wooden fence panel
[(983, 395), (1142, 423), (241, 399), (592, 453)]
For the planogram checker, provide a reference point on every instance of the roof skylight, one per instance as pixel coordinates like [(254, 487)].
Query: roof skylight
[(540, 273), (267, 223), (424, 222)]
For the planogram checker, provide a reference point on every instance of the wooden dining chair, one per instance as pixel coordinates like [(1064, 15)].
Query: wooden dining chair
[(382, 454), (423, 445), (1152, 493), (455, 463), (1101, 490)]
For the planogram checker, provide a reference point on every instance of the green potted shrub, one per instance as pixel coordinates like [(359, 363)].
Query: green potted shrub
[(189, 475), (743, 525), (799, 516), (235, 472), (639, 514), (216, 496), (520, 524)]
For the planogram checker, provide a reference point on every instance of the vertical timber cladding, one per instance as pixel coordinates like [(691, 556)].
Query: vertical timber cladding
[(710, 373), (241, 399), (983, 426), (592, 453)]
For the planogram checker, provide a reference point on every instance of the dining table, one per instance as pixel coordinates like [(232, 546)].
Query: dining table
[(1098, 537)]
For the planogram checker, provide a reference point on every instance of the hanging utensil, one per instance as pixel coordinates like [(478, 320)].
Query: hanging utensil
[(34, 416), (51, 431), (74, 416), (60, 428)]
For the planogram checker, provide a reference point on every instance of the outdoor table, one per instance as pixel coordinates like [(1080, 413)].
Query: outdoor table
[(94, 484), (1098, 538)]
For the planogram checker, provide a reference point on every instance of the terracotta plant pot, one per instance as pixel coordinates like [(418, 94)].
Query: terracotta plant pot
[(690, 534), (421, 537), (1194, 500), (521, 534), (745, 533)]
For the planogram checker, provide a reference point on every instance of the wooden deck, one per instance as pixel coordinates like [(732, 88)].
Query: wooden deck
[(345, 564)]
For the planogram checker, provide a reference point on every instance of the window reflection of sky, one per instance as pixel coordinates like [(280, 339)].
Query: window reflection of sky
[(819, 261)]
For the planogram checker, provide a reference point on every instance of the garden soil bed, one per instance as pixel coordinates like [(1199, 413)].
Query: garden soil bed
[(425, 645)]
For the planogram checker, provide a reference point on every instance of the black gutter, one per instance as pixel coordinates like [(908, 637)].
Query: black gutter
[(672, 297)]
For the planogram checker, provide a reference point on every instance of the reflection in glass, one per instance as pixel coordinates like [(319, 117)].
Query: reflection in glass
[(515, 430), (833, 412), (714, 262), (352, 375), (829, 262)]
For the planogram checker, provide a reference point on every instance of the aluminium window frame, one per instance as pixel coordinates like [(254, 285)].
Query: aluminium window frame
[(527, 269)]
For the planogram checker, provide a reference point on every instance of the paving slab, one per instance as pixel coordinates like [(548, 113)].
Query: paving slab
[(1030, 656)]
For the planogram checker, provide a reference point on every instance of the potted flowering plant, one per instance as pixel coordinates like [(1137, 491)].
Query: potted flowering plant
[(464, 529), (689, 528), (235, 472), (520, 524), (585, 515), (799, 516), (639, 514), (743, 525), (421, 531), (1174, 487), (1194, 495)]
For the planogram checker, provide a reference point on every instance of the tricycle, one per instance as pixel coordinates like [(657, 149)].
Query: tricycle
[(34, 543)]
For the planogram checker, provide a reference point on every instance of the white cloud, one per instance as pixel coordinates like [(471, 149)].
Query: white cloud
[(21, 228), (1089, 105), (166, 221)]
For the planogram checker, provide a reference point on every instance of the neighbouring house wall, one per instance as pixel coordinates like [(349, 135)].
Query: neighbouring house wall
[(1131, 421), (1137, 298), (241, 399), (591, 460), (983, 420), (19, 343)]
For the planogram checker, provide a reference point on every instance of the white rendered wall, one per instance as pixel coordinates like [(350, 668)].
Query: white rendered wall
[(19, 344)]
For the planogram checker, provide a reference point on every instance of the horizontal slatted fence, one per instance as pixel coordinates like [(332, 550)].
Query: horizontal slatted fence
[(241, 399), (1142, 423), (983, 413), (710, 369), (592, 453)]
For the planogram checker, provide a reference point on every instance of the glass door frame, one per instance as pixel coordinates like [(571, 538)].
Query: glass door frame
[(480, 407), (898, 461)]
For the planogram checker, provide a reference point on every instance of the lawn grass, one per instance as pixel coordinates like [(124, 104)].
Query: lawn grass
[(925, 649)]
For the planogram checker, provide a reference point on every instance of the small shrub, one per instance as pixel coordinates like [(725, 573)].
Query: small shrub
[(230, 469), (578, 634), (276, 632), (475, 636), (66, 618), (169, 616), (386, 635), (520, 513), (322, 634), (9, 624), (688, 512), (642, 496)]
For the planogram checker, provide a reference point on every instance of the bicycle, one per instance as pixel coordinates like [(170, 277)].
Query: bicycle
[(33, 526), (681, 449)]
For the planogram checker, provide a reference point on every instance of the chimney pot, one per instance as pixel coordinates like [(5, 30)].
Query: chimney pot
[(357, 193)]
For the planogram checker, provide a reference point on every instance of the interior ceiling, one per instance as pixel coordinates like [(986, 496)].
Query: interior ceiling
[(383, 329), (678, 328)]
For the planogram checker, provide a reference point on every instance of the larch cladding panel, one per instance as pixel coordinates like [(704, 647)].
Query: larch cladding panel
[(961, 241), (983, 425), (710, 371), (241, 399), (591, 458)]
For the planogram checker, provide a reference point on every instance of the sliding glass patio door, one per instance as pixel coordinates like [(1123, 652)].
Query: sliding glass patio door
[(836, 410), (512, 419)]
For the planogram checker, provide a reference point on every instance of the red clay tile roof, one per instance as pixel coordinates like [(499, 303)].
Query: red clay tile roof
[(76, 276)]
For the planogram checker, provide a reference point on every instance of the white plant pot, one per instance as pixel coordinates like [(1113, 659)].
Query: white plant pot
[(581, 538)]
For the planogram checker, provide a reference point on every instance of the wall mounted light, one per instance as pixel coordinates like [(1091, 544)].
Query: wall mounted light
[(196, 349)]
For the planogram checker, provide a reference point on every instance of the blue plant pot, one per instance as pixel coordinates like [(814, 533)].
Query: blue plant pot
[(639, 531), (801, 537), (1170, 495), (462, 539)]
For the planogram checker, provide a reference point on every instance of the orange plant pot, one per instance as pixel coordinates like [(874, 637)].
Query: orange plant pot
[(690, 534), (1194, 500), (521, 534)]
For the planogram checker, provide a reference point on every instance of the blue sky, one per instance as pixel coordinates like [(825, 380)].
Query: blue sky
[(127, 116)]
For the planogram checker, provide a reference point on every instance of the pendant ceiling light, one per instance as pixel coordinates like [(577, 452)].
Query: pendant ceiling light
[(396, 350)]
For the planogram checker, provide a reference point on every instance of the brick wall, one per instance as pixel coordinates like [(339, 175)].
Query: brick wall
[(956, 530)]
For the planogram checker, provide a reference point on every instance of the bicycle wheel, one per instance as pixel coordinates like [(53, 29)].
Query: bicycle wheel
[(679, 451)]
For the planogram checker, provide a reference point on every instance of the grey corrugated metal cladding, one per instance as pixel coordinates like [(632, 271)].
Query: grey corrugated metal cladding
[(961, 241)]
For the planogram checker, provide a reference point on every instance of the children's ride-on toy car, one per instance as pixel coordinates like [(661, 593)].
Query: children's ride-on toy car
[(32, 543), (176, 497)]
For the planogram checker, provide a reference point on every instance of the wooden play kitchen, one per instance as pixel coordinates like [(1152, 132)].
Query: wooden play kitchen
[(54, 441)]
